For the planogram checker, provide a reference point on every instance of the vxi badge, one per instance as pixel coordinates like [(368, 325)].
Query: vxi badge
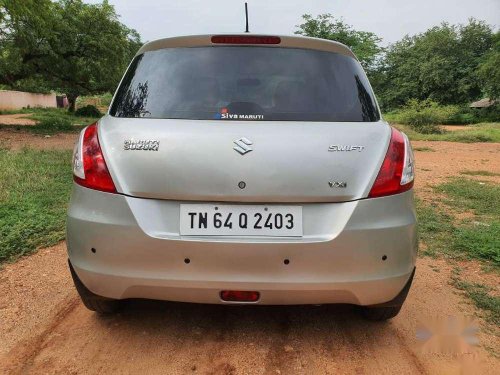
[(334, 148), (337, 184)]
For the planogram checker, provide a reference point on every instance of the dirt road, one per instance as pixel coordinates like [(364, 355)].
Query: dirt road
[(17, 139), (17, 119), (44, 329)]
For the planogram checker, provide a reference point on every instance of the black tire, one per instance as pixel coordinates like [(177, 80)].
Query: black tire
[(378, 314), (93, 302)]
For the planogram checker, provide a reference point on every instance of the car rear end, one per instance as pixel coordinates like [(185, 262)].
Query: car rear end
[(243, 169)]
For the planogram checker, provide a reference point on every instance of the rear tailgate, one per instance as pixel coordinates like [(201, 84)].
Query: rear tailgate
[(288, 161)]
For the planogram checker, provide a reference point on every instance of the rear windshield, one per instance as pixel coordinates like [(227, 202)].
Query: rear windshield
[(245, 83)]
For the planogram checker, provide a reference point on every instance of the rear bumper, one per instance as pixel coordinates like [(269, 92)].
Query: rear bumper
[(356, 292), (140, 254)]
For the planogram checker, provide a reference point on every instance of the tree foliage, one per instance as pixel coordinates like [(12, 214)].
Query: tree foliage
[(441, 64), (489, 70), (365, 45), (66, 45), (447, 64)]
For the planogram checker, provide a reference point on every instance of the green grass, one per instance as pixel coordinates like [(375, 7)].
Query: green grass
[(103, 100), (418, 113), (34, 192), (435, 227), (52, 120), (481, 197), (479, 294), (479, 173), (476, 238), (480, 241), (48, 114), (484, 132), (444, 237)]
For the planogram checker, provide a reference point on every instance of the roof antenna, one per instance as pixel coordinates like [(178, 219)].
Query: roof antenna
[(246, 16)]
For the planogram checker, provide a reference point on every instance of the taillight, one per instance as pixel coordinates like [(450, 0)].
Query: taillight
[(245, 39), (398, 169), (89, 166)]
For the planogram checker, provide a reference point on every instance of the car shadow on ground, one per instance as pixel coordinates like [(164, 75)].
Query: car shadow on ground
[(224, 339), (148, 315)]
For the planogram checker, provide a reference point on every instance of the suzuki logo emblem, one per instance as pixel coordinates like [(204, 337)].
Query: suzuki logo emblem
[(243, 145)]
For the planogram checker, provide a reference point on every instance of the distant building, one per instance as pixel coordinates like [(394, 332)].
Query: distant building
[(483, 103)]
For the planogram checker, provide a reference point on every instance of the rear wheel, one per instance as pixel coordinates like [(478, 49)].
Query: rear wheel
[(101, 305)]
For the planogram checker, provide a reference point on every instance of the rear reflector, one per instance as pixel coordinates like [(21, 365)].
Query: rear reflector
[(237, 39), (239, 296)]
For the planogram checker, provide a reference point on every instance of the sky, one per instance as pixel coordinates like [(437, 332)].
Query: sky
[(389, 19)]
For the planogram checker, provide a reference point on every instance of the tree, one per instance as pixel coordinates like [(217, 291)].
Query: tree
[(440, 64), (365, 45), (67, 46), (21, 24), (489, 70)]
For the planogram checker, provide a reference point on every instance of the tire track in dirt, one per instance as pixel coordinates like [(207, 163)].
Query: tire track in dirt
[(21, 357), (160, 337), (363, 347), (278, 357), (214, 331), (414, 359)]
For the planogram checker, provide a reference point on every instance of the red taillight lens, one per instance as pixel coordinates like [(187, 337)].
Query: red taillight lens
[(95, 172), (243, 39), (239, 296), (389, 177)]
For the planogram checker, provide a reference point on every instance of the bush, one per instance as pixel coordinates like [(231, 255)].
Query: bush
[(53, 125), (425, 116), (416, 112), (466, 115), (88, 111), (485, 132), (463, 116), (490, 114)]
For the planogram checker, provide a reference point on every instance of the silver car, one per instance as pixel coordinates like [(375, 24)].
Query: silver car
[(243, 169)]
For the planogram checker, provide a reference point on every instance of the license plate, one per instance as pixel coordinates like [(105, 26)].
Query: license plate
[(240, 220)]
